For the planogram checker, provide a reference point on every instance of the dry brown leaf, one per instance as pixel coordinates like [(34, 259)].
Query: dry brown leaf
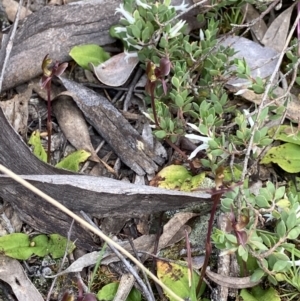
[(293, 107), (115, 71), (232, 282), (73, 124), (172, 227), (16, 111), (276, 34), (12, 273), (11, 8), (259, 29)]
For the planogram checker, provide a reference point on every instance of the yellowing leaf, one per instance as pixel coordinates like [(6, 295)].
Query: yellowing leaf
[(38, 150), (285, 155), (72, 161), (286, 133), (175, 277), (177, 177)]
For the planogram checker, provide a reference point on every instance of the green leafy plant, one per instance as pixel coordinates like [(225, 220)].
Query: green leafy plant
[(186, 80), (71, 162), (21, 246), (268, 248), (186, 77)]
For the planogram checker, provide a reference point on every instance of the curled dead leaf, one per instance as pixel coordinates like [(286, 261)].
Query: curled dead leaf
[(232, 282), (115, 71)]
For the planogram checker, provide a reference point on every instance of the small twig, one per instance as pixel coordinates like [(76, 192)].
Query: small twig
[(131, 88), (130, 269), (144, 274), (62, 262)]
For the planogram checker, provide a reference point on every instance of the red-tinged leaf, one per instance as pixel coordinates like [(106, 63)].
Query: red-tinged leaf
[(61, 69), (164, 66), (164, 86)]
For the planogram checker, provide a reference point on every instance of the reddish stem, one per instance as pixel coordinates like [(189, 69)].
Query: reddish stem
[(216, 199), (49, 123), (154, 109)]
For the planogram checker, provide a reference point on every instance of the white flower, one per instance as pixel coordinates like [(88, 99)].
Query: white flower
[(125, 14), (129, 55), (201, 35), (119, 29), (174, 32), (269, 217), (143, 5), (138, 47), (203, 139), (181, 7)]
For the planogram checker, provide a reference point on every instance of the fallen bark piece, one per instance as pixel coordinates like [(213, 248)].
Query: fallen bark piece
[(12, 273), (55, 30), (73, 124), (96, 196), (127, 143)]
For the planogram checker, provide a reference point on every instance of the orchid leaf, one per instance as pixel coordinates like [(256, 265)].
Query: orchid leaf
[(72, 161), (38, 149), (285, 155), (85, 54)]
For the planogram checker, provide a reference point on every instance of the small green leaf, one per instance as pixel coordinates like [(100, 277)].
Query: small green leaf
[(146, 34), (281, 266), (72, 161), (135, 31), (175, 82), (291, 221), (257, 275), (160, 134), (281, 229), (57, 245), (258, 89), (294, 233), (279, 193), (179, 101), (262, 202), (38, 150), (108, 293), (85, 54)]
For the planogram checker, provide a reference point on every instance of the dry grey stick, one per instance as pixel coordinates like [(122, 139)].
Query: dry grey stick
[(62, 262), (130, 269)]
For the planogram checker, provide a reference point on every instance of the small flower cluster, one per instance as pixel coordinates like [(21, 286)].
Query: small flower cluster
[(140, 20)]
